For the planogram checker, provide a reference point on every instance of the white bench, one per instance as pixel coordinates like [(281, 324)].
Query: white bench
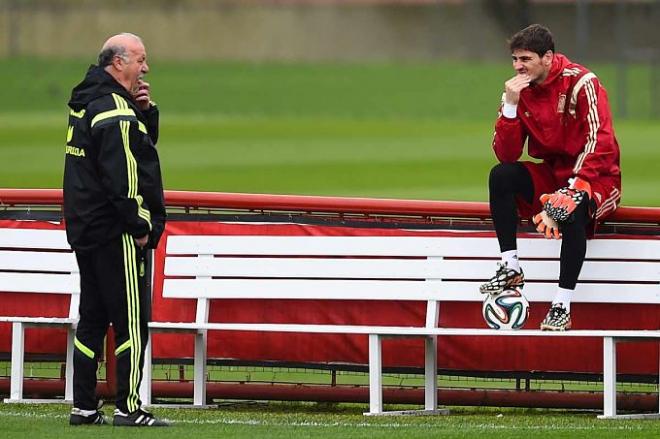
[(430, 269), (38, 261)]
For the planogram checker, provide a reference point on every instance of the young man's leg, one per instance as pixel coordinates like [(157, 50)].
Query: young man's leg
[(507, 183), (573, 251), (88, 344)]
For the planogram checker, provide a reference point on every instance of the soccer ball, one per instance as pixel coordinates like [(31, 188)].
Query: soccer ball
[(507, 310)]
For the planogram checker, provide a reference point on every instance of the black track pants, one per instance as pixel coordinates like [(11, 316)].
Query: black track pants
[(113, 290), (509, 180)]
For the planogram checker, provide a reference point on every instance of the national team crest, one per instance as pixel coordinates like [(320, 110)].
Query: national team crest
[(562, 103)]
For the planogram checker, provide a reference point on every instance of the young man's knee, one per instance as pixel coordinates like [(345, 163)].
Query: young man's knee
[(502, 176)]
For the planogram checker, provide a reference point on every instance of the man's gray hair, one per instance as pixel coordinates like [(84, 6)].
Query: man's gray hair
[(108, 53)]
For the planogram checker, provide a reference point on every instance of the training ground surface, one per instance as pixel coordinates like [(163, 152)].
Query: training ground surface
[(417, 131), (283, 420)]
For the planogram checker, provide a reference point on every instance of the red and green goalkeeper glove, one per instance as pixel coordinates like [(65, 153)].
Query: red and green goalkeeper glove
[(561, 205)]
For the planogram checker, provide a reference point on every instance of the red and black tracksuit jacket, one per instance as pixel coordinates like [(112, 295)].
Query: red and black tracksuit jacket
[(567, 123)]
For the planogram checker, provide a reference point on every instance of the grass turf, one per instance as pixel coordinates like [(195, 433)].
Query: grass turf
[(373, 130), (442, 160), (293, 420)]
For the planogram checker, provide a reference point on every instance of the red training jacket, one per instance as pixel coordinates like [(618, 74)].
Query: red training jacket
[(568, 124)]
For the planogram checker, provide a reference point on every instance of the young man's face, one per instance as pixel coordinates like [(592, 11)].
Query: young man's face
[(530, 63)]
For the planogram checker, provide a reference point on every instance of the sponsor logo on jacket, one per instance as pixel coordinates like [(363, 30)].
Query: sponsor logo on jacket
[(75, 151)]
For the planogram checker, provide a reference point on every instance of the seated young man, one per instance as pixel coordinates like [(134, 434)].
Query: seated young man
[(561, 110)]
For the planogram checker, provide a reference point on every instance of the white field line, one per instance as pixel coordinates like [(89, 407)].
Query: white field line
[(257, 422)]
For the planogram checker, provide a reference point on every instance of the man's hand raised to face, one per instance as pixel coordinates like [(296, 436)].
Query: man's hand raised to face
[(514, 86), (142, 95)]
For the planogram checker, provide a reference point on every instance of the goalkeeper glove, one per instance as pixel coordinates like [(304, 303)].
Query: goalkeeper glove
[(561, 205), (546, 225)]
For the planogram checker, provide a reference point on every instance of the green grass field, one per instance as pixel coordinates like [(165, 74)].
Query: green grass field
[(375, 130)]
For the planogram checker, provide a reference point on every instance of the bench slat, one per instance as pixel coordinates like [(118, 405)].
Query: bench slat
[(38, 261), (400, 246), (405, 330), (392, 290), (40, 283), (299, 289), (326, 245), (398, 268), (55, 321), (545, 292), (303, 267), (33, 238)]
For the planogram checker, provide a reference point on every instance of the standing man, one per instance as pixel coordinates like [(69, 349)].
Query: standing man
[(114, 211), (561, 110)]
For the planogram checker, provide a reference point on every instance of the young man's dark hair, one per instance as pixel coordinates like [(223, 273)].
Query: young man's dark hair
[(535, 38)]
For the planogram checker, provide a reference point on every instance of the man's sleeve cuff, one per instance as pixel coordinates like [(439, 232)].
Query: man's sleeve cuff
[(510, 111)]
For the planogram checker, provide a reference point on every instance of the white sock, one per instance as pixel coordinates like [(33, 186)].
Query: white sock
[(563, 296), (510, 258)]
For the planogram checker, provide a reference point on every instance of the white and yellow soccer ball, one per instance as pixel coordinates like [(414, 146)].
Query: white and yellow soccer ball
[(507, 310)]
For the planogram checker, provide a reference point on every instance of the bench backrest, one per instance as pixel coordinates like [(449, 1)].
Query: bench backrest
[(396, 268), (39, 261)]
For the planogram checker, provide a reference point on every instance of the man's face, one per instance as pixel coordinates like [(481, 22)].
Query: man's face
[(136, 66), (530, 63)]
